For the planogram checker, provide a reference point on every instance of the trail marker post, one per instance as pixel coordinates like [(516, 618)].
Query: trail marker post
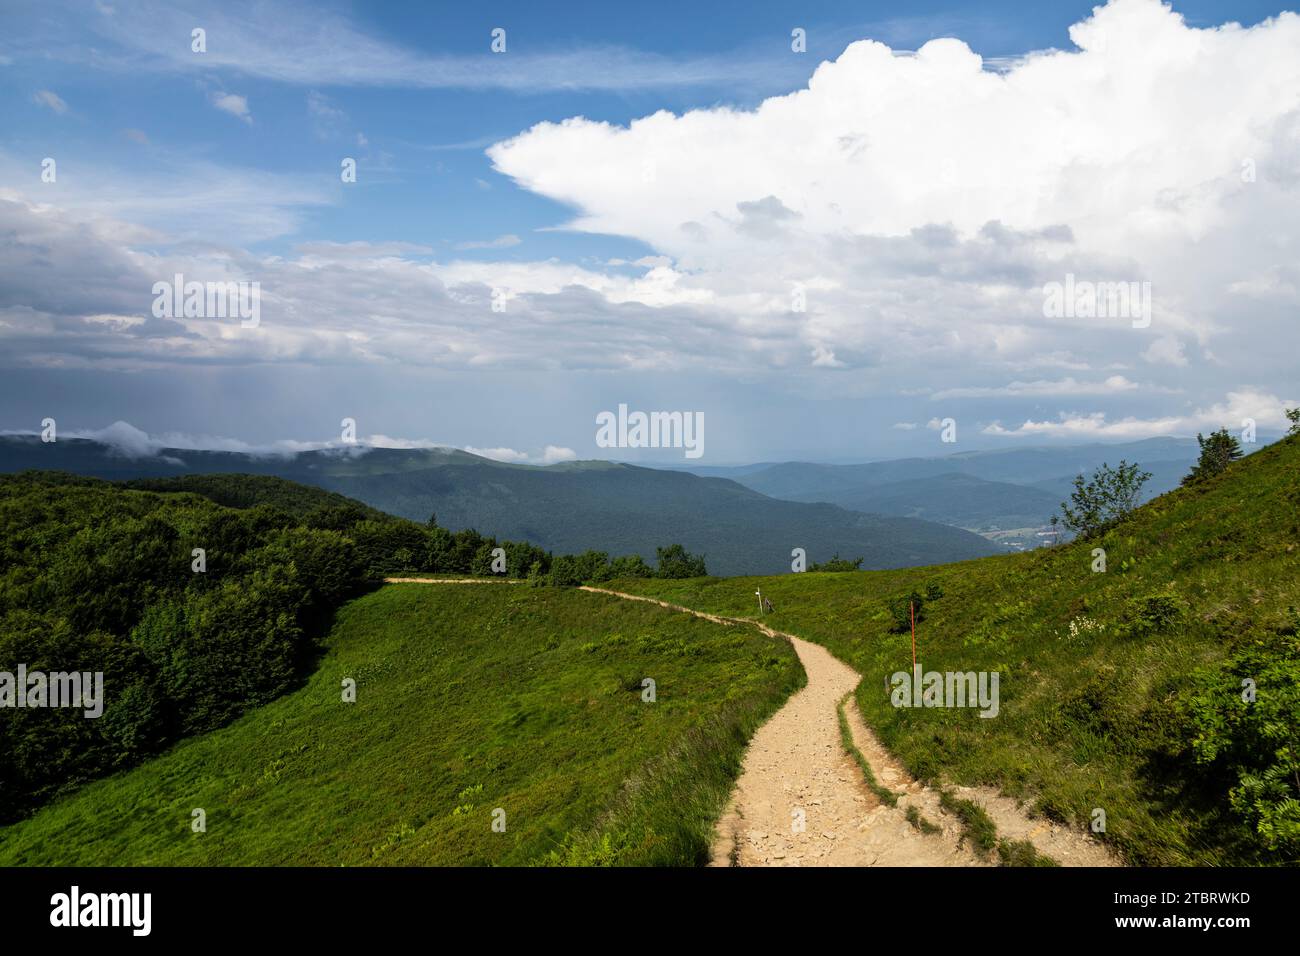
[(911, 610), (759, 592)]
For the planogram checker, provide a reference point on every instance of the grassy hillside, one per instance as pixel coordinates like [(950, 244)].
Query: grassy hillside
[(191, 610), (469, 698), (1120, 690)]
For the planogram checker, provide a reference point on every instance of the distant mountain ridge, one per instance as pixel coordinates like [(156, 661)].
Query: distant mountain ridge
[(569, 507), (983, 490)]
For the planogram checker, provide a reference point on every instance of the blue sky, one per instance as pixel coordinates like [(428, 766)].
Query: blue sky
[(567, 170)]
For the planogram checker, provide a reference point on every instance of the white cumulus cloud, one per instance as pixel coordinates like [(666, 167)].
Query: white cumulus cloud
[(233, 104)]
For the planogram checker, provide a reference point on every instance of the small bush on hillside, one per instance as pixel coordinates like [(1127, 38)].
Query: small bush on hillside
[(1153, 613), (1244, 719), (676, 562), (536, 578), (481, 565), (1217, 452), (901, 610), (521, 556), (595, 567), (1094, 705), (565, 572), (837, 564), (588, 851), (1102, 502), (630, 566)]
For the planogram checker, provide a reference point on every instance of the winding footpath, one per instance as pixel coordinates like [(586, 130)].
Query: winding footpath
[(801, 800)]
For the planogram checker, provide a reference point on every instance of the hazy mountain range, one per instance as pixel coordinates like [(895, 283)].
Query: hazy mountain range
[(746, 519), (570, 507), (981, 490)]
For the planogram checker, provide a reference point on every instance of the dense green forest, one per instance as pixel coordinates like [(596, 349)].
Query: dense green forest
[(195, 611)]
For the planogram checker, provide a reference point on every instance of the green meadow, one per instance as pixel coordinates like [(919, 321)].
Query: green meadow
[(1150, 676), (470, 699), (1121, 690)]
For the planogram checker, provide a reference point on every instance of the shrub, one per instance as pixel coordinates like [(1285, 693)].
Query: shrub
[(565, 572), (1217, 452), (837, 564), (521, 556), (1153, 613), (676, 562), (1105, 500), (630, 566), (593, 566), (1252, 737), (902, 609), (536, 578)]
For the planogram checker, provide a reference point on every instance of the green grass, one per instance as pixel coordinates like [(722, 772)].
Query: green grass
[(918, 820), (1022, 853), (846, 738), (1089, 718), (979, 830), (469, 698)]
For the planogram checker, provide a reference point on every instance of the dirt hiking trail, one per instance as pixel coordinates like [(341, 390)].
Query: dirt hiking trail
[(801, 800)]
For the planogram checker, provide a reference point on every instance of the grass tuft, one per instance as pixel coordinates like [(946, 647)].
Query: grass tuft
[(846, 738)]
